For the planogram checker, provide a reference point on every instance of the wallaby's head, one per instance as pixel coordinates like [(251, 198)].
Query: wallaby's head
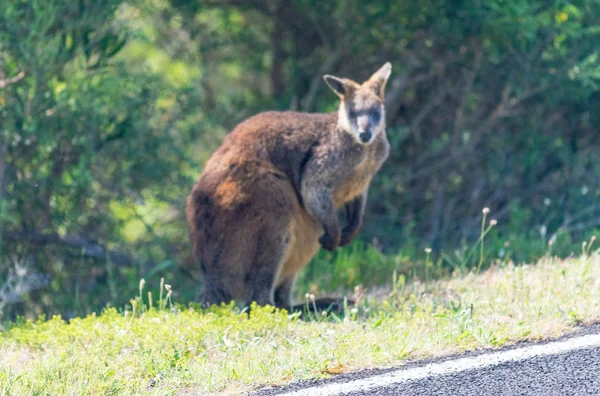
[(362, 111)]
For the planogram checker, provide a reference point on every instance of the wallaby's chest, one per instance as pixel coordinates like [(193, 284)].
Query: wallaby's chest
[(359, 171)]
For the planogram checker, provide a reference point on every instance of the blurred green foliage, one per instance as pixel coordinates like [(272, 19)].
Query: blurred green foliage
[(109, 109)]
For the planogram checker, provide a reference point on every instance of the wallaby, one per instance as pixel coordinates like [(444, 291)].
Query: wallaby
[(269, 196)]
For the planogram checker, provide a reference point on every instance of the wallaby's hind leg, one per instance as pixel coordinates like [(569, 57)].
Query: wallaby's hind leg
[(253, 282), (245, 265), (258, 261), (259, 280), (240, 232)]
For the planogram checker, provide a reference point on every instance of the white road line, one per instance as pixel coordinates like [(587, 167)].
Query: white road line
[(451, 366)]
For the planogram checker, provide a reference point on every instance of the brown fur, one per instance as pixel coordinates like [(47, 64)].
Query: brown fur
[(269, 196)]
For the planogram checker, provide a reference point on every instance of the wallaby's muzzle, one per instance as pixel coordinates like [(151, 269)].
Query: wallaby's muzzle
[(365, 137)]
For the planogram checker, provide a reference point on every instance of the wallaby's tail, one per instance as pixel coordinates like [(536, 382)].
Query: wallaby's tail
[(325, 304)]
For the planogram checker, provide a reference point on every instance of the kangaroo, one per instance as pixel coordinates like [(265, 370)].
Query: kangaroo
[(269, 196)]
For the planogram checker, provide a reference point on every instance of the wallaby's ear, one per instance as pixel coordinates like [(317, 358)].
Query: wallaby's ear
[(379, 79), (337, 85)]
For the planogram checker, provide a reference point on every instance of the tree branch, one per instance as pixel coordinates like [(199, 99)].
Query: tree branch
[(506, 105), (86, 246), (434, 100), (8, 81), (470, 79), (333, 58)]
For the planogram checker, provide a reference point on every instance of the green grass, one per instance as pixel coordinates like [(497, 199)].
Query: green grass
[(165, 351)]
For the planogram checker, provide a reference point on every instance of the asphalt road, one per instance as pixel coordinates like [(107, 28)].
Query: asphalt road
[(568, 366)]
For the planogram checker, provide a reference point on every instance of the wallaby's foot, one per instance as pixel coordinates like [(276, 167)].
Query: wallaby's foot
[(214, 295)]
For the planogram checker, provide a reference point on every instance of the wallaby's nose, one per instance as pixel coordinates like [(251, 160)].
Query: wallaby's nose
[(364, 136)]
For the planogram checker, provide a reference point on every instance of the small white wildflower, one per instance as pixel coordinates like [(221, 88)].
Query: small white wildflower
[(354, 310), (485, 211), (168, 287), (427, 250), (309, 296), (493, 222), (142, 283), (547, 201), (324, 313)]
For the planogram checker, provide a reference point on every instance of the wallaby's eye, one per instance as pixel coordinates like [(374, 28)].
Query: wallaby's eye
[(375, 115)]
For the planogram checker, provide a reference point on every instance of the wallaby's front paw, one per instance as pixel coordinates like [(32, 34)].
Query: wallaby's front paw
[(347, 238), (328, 243)]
